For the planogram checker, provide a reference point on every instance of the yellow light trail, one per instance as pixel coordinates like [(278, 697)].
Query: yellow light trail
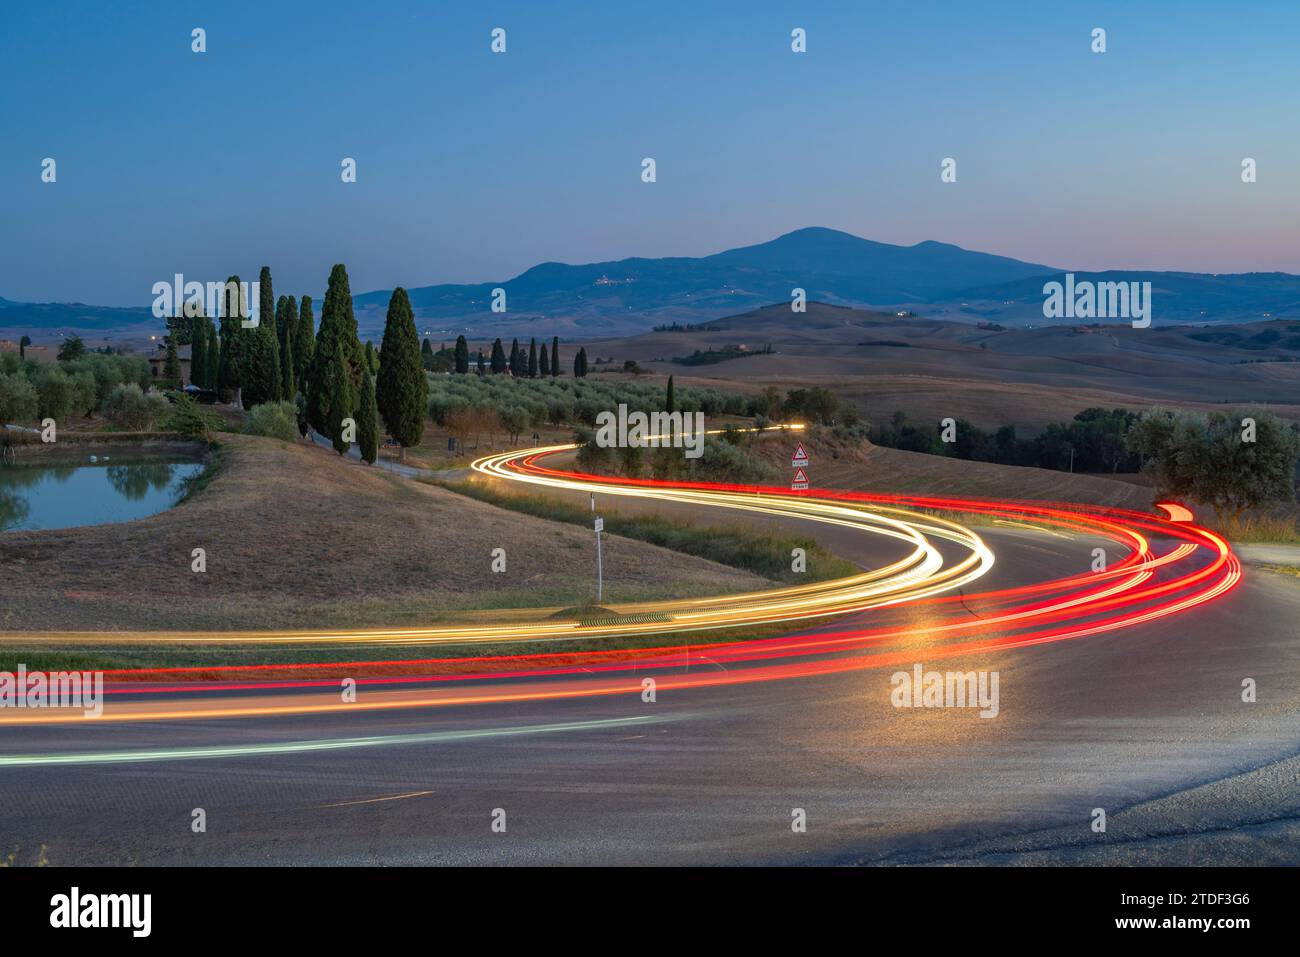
[(921, 573)]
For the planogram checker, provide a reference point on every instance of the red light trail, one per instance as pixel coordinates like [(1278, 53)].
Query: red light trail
[(1188, 567)]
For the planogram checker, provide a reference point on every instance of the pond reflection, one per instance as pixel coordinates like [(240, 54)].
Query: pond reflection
[(135, 481), (36, 497)]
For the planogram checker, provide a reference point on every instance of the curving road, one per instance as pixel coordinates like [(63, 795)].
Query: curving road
[(1118, 689)]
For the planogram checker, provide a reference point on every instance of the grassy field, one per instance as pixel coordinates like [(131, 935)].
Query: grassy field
[(930, 369), (762, 553), (296, 537)]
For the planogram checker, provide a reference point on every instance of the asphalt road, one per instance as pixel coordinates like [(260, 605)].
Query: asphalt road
[(1146, 723)]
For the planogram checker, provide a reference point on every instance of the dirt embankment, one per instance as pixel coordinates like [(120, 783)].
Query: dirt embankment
[(295, 537)]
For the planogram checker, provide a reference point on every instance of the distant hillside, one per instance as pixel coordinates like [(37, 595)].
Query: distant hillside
[(939, 280), (74, 317), (1177, 297), (628, 295), (992, 374)]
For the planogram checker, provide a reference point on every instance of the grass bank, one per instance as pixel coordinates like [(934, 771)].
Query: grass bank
[(758, 552)]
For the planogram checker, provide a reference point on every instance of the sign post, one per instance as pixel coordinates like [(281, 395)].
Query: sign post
[(600, 570)]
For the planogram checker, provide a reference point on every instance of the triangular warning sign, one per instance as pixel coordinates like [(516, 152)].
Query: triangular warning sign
[(800, 457), (800, 480)]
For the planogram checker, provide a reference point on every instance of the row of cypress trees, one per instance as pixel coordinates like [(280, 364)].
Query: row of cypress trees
[(345, 380), (328, 371), (266, 363), (519, 364)]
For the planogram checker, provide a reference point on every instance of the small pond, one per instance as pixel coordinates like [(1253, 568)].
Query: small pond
[(99, 492)]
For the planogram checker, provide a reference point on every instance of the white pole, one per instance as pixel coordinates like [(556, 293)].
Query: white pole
[(600, 568)]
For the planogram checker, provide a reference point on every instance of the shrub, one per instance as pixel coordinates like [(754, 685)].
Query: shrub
[(724, 462), (55, 391), (108, 376), (276, 420), (128, 408), (1204, 457), (84, 396), (111, 371), (18, 400), (188, 418)]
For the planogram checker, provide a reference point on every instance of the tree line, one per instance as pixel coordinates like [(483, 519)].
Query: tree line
[(532, 363), (1093, 441), (1231, 461), (325, 377)]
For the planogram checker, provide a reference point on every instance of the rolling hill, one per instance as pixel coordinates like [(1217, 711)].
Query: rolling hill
[(991, 375), (43, 319), (627, 296), (1177, 297)]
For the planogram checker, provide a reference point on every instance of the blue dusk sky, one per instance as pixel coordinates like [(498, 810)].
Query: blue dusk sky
[(474, 166)]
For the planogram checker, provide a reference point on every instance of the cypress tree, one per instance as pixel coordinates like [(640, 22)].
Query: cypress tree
[(288, 327), (233, 310), (532, 359), (462, 355), (199, 352), (337, 348), (270, 339), (481, 363), (372, 359), (262, 356), (288, 383), (426, 354), (284, 327), (580, 363), (544, 363), (172, 364), (670, 395), (304, 344), (209, 333), (279, 320), (498, 358), (266, 300), (555, 357), (280, 305), (213, 371), (402, 392), (367, 424), (340, 402), (261, 378), (516, 359)]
